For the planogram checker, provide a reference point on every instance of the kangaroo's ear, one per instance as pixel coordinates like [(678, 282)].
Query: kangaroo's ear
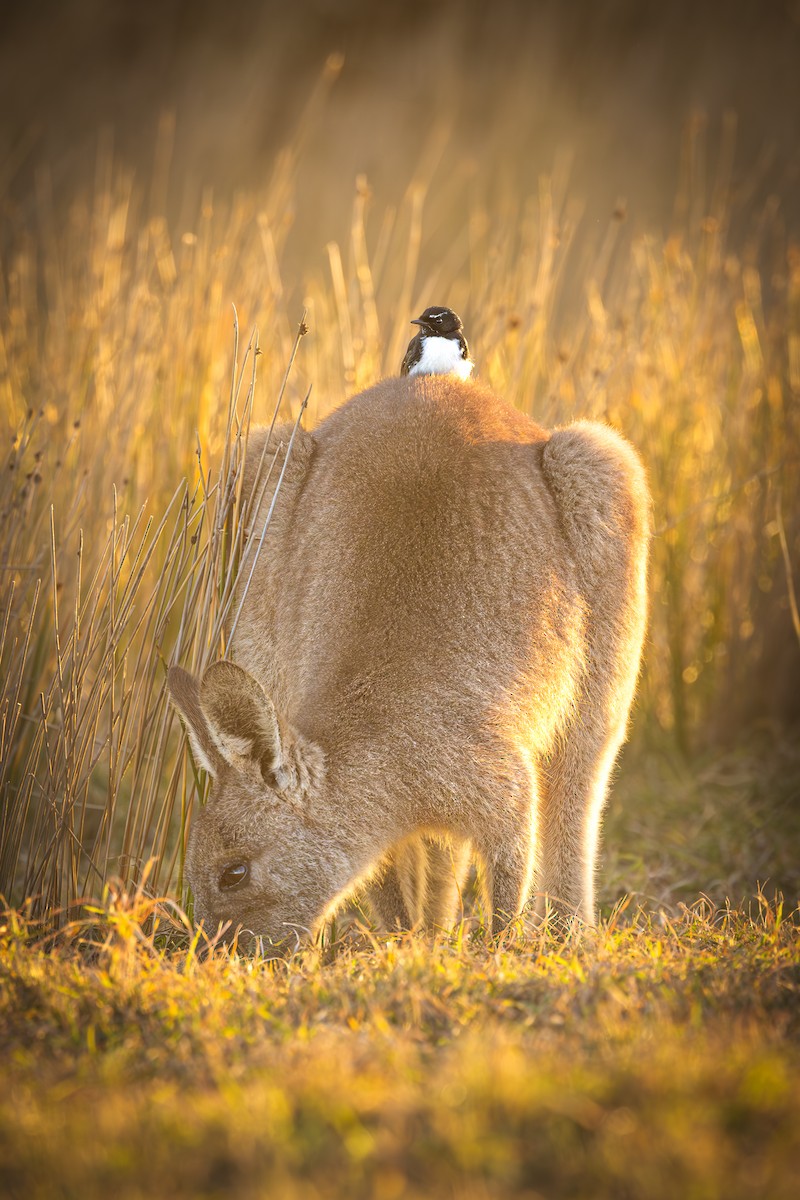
[(185, 692), (242, 721)]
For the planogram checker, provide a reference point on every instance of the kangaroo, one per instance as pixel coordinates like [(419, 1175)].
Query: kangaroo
[(434, 665)]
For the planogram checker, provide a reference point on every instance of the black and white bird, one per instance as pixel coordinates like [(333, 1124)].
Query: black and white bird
[(440, 347)]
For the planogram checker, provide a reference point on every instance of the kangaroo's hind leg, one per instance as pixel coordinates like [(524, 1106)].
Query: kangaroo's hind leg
[(600, 491), (572, 795)]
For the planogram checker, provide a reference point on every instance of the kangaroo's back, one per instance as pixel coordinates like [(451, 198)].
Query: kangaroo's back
[(419, 560)]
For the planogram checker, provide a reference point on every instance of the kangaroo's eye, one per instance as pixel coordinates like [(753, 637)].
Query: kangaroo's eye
[(232, 876)]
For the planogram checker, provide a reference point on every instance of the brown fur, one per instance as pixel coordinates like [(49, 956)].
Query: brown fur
[(441, 643)]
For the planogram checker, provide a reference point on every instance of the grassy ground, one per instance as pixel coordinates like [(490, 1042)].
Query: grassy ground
[(658, 1056), (718, 824)]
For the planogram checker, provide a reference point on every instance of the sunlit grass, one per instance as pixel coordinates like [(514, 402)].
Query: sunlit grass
[(654, 1057)]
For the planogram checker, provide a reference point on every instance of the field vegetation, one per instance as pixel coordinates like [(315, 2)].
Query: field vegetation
[(655, 1056)]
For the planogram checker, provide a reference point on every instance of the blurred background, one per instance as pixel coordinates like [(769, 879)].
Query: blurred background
[(609, 195), (508, 87)]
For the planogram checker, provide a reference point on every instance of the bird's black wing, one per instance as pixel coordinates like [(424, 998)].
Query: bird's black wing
[(412, 355)]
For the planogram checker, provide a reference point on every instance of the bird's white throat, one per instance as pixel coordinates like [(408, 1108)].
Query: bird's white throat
[(442, 356)]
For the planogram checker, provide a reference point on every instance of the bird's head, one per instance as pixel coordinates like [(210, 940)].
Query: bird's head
[(438, 321)]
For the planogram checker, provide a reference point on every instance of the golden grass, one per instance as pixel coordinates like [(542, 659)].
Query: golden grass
[(656, 1057)]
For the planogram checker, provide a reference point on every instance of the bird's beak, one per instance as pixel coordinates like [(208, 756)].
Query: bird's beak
[(417, 321)]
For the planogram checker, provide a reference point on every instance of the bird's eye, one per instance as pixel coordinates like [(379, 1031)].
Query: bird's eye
[(233, 876)]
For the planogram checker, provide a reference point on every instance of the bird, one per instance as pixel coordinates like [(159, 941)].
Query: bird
[(440, 347)]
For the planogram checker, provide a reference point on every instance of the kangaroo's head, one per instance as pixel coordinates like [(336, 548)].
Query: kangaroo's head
[(258, 858)]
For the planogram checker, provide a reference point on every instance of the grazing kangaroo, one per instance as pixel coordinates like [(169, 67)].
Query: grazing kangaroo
[(435, 663)]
